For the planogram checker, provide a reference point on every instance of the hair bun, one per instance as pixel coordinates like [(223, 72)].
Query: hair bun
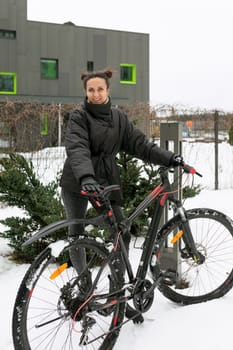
[(109, 73), (84, 75)]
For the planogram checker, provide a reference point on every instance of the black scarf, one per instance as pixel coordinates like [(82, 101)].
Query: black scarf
[(100, 111)]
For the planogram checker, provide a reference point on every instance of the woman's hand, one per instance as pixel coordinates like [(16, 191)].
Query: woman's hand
[(89, 184)]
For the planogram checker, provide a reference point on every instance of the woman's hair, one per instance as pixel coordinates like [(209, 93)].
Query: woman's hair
[(104, 74)]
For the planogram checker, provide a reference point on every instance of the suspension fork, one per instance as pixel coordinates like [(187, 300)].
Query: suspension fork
[(190, 246)]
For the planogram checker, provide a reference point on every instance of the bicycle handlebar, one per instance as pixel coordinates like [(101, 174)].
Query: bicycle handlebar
[(106, 191)]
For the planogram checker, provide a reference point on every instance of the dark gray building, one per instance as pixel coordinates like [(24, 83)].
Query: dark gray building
[(43, 61)]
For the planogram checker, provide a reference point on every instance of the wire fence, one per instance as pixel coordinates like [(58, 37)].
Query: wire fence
[(38, 132)]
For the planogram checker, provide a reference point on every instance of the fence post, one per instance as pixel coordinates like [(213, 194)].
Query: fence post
[(216, 126), (171, 139), (59, 124)]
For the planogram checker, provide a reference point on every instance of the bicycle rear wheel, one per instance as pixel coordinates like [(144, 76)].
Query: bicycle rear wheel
[(213, 234), (54, 311)]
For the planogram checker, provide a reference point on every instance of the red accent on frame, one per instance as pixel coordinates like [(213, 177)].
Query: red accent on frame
[(30, 292), (110, 213), (97, 203), (117, 241), (163, 199), (156, 191), (115, 320)]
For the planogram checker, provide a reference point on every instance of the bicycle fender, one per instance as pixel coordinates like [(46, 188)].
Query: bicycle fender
[(51, 228)]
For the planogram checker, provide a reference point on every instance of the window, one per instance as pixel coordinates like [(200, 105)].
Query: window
[(128, 73), (44, 124), (7, 83), (90, 66), (7, 34), (48, 68)]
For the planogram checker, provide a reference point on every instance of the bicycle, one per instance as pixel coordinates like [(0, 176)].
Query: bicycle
[(55, 308)]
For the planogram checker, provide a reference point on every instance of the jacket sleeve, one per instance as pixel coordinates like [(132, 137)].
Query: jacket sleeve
[(78, 146), (137, 144)]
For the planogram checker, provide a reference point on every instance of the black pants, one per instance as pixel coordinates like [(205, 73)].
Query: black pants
[(75, 207)]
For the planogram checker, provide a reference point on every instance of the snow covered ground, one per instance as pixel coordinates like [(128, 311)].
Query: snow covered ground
[(205, 326)]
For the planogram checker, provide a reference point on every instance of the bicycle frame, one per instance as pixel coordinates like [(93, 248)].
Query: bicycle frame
[(160, 195)]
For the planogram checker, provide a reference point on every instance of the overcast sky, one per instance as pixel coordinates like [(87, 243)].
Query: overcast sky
[(191, 42)]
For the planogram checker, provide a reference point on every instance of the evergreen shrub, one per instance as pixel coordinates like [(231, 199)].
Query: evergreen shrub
[(40, 203), (231, 133)]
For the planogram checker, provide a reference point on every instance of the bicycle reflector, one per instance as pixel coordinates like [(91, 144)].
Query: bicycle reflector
[(177, 236), (58, 271)]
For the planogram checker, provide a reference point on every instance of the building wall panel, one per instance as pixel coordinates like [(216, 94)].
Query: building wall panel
[(73, 46)]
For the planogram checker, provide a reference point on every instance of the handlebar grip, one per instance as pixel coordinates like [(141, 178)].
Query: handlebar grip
[(190, 170), (105, 191)]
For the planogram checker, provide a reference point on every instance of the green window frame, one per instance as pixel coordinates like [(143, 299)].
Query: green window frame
[(49, 68), (7, 83), (128, 73), (44, 130)]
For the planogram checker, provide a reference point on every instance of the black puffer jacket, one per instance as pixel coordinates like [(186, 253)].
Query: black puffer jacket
[(94, 136)]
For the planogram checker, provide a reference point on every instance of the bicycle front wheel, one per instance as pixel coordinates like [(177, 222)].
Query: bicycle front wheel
[(57, 309), (194, 283)]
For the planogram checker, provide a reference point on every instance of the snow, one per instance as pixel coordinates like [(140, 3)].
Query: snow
[(205, 326)]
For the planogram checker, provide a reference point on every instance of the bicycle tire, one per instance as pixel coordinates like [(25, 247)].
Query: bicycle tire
[(43, 317), (213, 234)]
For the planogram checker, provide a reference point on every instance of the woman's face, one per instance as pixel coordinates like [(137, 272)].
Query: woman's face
[(97, 91)]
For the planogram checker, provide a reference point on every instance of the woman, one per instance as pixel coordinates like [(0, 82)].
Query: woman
[(95, 134)]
